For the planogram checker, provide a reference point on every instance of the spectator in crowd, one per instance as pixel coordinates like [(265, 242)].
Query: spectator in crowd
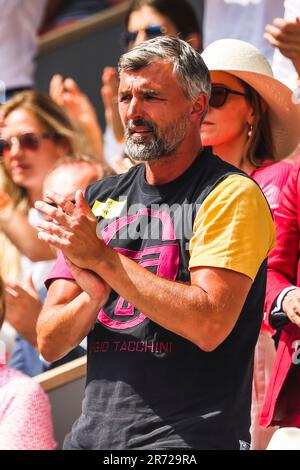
[(241, 19), (67, 176), (35, 133), (282, 402), (161, 318), (25, 413), (61, 13), (251, 122), (284, 35), (19, 24), (68, 95)]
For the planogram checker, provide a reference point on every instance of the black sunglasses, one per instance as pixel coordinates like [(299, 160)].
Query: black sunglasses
[(219, 95), (26, 141), (151, 32)]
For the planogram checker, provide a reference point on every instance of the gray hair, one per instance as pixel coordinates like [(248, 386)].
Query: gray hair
[(188, 65)]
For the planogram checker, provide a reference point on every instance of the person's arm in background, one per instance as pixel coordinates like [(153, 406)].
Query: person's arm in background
[(66, 93), (285, 35), (21, 233), (284, 259), (23, 307), (109, 93)]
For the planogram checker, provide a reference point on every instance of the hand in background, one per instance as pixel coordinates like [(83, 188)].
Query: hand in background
[(285, 35), (22, 309), (109, 93), (291, 306), (67, 94)]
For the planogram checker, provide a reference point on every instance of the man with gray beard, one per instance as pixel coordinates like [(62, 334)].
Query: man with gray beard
[(163, 142), (171, 320)]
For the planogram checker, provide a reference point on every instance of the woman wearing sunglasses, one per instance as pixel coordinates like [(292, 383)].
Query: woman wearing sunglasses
[(34, 133), (251, 123)]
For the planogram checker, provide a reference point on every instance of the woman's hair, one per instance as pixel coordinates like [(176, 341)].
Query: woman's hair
[(47, 112), (260, 145), (56, 122), (52, 117), (2, 303), (180, 12)]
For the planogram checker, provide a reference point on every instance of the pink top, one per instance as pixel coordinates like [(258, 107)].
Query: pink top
[(25, 413), (271, 178)]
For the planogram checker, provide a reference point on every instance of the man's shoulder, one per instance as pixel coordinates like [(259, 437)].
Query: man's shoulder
[(213, 171), (103, 188)]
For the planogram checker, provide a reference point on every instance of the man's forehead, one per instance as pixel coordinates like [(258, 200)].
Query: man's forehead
[(154, 74)]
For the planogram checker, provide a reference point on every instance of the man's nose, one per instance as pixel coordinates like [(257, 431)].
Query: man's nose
[(135, 110)]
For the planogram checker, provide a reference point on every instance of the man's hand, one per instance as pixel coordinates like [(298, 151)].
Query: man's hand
[(72, 229), (90, 282), (22, 309), (285, 35), (291, 306)]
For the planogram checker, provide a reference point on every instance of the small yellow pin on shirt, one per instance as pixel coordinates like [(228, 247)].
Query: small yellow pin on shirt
[(108, 209)]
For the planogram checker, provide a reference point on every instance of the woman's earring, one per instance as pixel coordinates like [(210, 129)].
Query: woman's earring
[(250, 130)]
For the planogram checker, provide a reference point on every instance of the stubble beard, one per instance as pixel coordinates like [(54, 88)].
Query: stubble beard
[(158, 144)]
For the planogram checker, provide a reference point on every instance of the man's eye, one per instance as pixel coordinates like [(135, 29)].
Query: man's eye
[(124, 98)]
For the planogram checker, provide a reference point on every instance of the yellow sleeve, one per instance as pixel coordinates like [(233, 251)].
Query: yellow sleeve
[(233, 228)]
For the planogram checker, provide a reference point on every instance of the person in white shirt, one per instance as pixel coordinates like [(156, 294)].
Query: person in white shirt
[(241, 19), (19, 24)]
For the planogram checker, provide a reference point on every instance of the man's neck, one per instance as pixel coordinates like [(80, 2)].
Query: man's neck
[(169, 168)]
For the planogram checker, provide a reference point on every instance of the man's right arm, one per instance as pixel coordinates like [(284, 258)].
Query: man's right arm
[(66, 318)]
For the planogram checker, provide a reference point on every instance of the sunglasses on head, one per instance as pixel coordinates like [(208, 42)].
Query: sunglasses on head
[(151, 32), (26, 141), (219, 95)]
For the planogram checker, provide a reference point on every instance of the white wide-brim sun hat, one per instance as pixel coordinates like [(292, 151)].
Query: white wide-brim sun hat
[(244, 61)]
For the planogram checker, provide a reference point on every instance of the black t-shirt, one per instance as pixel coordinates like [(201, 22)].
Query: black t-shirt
[(148, 388)]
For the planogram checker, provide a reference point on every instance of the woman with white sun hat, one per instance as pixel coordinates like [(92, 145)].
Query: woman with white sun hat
[(251, 123)]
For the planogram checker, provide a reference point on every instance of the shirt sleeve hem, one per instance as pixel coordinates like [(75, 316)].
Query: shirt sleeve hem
[(202, 261)]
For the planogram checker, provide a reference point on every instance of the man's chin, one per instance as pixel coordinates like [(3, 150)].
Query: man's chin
[(143, 158)]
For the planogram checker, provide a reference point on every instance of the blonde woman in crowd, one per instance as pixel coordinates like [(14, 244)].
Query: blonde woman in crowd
[(251, 123), (35, 133)]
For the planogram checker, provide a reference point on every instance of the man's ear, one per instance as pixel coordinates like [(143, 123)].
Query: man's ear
[(200, 105)]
